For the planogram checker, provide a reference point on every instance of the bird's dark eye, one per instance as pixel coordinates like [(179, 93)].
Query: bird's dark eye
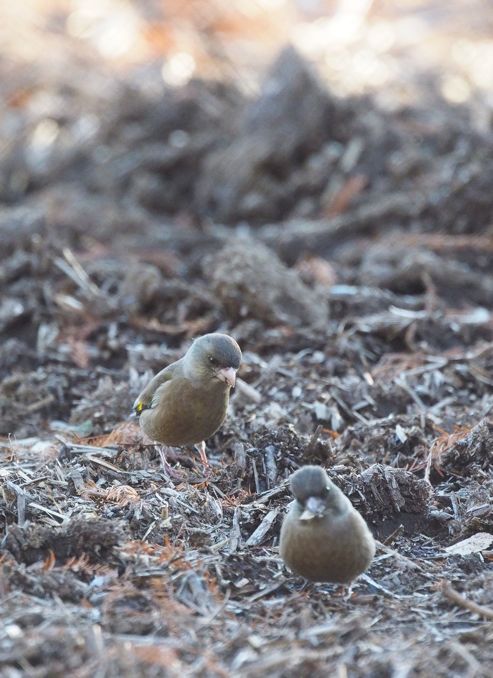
[(213, 361)]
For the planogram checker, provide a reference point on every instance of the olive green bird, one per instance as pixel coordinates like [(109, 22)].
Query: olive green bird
[(323, 537), (187, 401)]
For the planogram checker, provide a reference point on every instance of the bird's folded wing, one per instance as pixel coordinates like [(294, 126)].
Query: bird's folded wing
[(147, 398)]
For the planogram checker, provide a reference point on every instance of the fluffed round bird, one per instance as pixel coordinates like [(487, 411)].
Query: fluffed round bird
[(323, 537), (187, 401)]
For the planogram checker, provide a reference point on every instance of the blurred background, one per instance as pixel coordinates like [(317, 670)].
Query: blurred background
[(78, 78), (358, 45)]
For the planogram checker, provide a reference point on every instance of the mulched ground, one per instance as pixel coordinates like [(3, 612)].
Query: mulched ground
[(361, 292)]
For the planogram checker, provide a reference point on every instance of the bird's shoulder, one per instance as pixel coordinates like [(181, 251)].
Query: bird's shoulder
[(170, 371)]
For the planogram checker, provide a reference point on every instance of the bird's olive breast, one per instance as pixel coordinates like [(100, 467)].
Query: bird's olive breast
[(184, 414)]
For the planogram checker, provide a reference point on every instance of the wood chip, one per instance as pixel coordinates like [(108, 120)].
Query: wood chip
[(258, 535), (478, 542)]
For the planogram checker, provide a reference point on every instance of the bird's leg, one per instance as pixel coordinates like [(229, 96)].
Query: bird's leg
[(349, 590), (203, 456), (164, 462), (169, 470)]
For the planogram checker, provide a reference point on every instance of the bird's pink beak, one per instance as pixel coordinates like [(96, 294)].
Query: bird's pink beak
[(314, 508), (228, 375)]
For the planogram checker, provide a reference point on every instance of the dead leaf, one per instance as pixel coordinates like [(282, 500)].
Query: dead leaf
[(125, 433), (123, 495)]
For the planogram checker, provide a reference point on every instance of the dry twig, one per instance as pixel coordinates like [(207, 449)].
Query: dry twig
[(449, 592)]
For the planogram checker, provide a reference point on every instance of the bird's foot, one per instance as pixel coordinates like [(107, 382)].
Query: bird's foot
[(343, 591), (167, 468)]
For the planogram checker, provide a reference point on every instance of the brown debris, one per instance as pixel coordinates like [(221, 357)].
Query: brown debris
[(471, 450), (96, 539), (454, 596), (388, 492), (248, 178), (251, 281)]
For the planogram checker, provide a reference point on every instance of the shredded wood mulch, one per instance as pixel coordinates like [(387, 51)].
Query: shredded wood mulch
[(362, 297)]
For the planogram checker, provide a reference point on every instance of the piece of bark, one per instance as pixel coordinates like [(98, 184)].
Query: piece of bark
[(251, 281)]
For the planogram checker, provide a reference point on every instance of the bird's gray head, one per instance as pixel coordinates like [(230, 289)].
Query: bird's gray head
[(315, 493), (213, 356)]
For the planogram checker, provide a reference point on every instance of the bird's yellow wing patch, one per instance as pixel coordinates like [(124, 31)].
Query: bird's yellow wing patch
[(138, 407)]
